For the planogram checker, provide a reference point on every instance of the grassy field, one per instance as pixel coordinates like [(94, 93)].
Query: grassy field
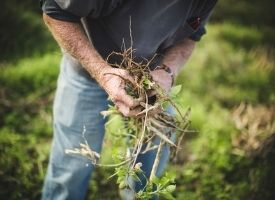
[(228, 83)]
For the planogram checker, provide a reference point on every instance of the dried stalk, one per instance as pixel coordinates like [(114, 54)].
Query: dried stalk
[(157, 160), (140, 142)]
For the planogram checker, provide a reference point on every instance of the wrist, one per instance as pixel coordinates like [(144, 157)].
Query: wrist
[(97, 70), (102, 75), (168, 70)]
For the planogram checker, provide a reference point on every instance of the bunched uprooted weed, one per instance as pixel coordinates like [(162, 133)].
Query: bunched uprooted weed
[(149, 130)]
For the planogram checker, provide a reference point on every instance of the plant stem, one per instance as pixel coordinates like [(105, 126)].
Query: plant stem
[(115, 165), (140, 142), (156, 162)]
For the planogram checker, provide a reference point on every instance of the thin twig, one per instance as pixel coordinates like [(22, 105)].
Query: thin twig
[(149, 149), (162, 136), (156, 162), (140, 143), (115, 165)]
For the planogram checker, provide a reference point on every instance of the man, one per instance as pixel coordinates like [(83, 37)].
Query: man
[(168, 28)]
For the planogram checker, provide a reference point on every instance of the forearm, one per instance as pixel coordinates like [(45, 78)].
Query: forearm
[(178, 55), (71, 37)]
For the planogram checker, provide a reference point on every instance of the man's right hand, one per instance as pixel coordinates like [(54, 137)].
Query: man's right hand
[(71, 37), (113, 82)]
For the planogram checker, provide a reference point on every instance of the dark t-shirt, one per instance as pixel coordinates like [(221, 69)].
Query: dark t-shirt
[(155, 25)]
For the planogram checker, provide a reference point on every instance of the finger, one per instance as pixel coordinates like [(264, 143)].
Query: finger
[(128, 100), (125, 74), (134, 112), (126, 111), (122, 108)]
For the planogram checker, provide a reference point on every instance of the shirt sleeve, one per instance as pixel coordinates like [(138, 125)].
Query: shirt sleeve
[(72, 10), (197, 35), (204, 15)]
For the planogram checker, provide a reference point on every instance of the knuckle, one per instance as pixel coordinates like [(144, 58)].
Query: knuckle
[(125, 113), (131, 103), (115, 97), (124, 73)]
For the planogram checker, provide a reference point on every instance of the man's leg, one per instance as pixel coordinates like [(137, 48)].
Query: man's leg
[(78, 103)]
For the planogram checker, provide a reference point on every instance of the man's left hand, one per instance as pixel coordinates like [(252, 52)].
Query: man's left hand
[(163, 79)]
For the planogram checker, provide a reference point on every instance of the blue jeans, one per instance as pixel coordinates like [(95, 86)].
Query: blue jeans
[(78, 102)]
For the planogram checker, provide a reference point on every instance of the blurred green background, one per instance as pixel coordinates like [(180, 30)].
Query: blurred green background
[(229, 83)]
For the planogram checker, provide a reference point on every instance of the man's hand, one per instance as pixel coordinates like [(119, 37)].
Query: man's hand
[(163, 79), (175, 57), (71, 37), (113, 81)]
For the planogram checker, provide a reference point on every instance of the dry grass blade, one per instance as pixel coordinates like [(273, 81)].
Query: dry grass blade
[(161, 135)]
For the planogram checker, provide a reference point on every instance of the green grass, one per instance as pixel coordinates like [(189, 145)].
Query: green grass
[(25, 124), (219, 76)]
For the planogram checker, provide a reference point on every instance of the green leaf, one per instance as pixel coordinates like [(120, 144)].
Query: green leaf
[(170, 188), (147, 84), (165, 180), (122, 185), (155, 180), (120, 179), (167, 196), (175, 90)]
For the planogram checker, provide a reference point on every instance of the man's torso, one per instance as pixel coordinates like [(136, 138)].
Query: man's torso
[(151, 25)]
